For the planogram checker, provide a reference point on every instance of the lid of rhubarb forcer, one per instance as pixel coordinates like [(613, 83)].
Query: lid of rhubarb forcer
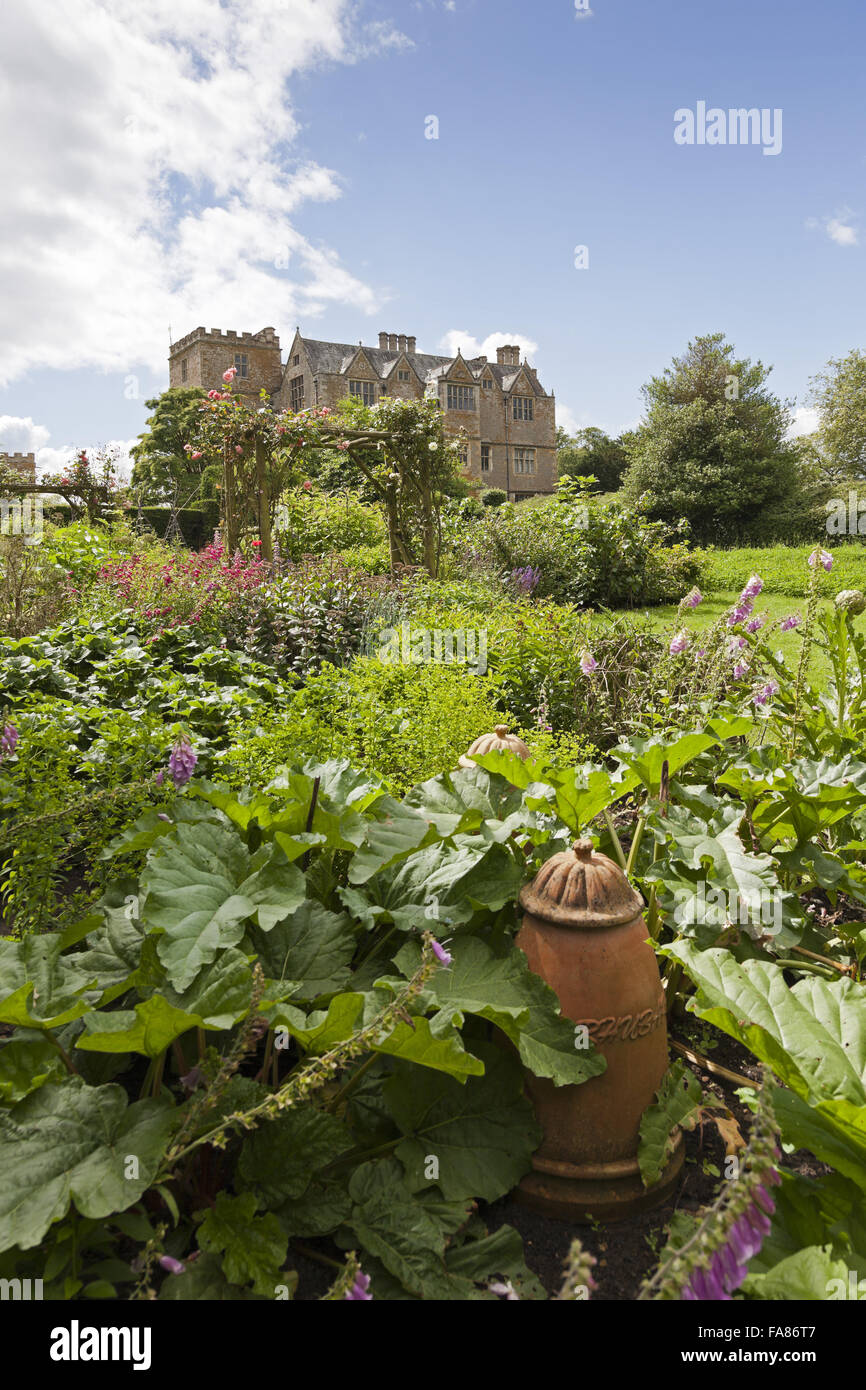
[(581, 889)]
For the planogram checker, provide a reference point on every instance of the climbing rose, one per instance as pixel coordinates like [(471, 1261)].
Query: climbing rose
[(196, 454), (588, 663), (358, 1291), (679, 643), (8, 741), (181, 763), (230, 375)]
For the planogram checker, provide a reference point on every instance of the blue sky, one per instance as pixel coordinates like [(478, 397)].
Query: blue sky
[(266, 162)]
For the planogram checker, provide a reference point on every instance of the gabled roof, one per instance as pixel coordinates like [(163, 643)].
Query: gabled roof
[(337, 358)]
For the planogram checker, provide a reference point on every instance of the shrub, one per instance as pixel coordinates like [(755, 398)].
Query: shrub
[(404, 722), (589, 553), (494, 496), (316, 523)]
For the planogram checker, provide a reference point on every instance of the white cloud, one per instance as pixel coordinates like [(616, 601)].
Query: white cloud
[(805, 421), (21, 435), (841, 232), (149, 182), (472, 347), (838, 228)]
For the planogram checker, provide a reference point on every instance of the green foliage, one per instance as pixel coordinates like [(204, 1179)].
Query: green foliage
[(403, 722), (590, 553), (590, 453), (224, 935), (712, 448), (839, 393), (318, 523), (162, 468)]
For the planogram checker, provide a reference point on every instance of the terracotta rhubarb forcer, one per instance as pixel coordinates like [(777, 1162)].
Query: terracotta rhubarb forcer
[(500, 741), (583, 932)]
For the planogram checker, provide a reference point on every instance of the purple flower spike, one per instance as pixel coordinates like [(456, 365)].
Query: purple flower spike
[(764, 1200), (588, 663), (8, 741), (822, 558), (171, 1264), (440, 953), (181, 763), (358, 1291), (693, 598), (753, 588), (788, 624), (679, 643)]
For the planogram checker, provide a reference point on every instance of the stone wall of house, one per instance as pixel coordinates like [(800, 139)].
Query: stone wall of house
[(201, 357)]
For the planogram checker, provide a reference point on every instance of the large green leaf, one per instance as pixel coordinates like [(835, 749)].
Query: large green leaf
[(813, 1035), (482, 1134), (313, 946), (72, 1142), (27, 1061), (503, 989), (677, 1102), (39, 986), (202, 886), (806, 1275), (398, 833), (279, 1160), (219, 997), (405, 1234), (252, 1247)]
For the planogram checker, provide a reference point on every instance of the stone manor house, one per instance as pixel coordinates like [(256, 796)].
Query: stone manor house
[(507, 418), (25, 464)]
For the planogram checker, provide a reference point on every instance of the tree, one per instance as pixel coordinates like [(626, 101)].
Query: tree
[(839, 393), (163, 462), (712, 447), (592, 453)]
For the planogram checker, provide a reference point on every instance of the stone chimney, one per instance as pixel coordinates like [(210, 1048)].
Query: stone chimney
[(383, 341), (392, 342), (508, 355), (410, 344), (401, 342)]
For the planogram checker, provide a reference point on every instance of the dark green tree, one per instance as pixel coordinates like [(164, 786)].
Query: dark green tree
[(713, 445), (592, 453), (162, 468), (839, 393)]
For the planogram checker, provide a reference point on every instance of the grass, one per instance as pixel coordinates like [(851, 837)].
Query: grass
[(784, 568)]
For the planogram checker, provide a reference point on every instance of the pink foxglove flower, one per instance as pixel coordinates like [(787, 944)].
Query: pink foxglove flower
[(171, 1264), (753, 588), (822, 558), (181, 762), (588, 663), (8, 741), (443, 957), (757, 623), (358, 1291), (740, 612), (693, 598), (766, 693), (679, 643), (741, 669)]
